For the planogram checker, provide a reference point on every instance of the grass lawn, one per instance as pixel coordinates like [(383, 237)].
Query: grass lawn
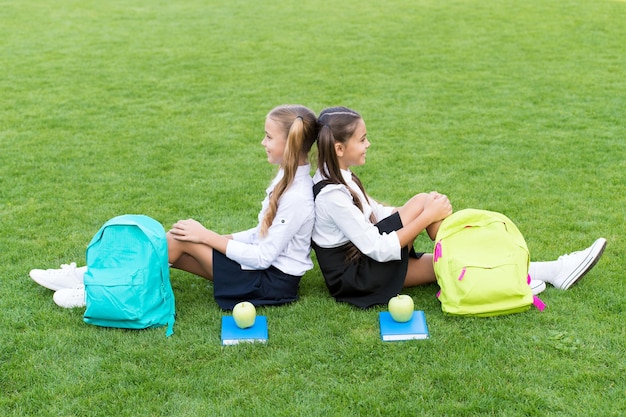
[(157, 107)]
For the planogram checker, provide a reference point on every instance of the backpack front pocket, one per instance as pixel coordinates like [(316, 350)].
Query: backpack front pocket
[(116, 297), (487, 290)]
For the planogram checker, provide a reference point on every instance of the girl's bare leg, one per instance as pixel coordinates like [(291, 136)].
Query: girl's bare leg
[(191, 257), (433, 229), (420, 271), (412, 209)]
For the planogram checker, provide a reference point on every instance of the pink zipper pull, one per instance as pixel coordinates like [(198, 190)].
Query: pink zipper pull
[(538, 303), (437, 252), (462, 274)]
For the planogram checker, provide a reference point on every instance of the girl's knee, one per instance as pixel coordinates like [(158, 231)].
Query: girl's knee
[(413, 207), (170, 239), (173, 248), (419, 199)]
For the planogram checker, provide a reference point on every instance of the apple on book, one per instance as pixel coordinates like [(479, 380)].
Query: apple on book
[(244, 314), (401, 308)]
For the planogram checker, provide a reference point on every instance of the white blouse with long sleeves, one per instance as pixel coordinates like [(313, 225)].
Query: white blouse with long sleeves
[(338, 221), (287, 245)]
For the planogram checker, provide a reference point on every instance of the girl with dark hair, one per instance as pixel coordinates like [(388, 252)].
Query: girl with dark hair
[(365, 249)]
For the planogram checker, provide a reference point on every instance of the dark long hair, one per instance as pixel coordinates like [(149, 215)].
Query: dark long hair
[(338, 125)]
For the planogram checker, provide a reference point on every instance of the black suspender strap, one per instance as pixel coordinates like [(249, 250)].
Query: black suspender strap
[(318, 187)]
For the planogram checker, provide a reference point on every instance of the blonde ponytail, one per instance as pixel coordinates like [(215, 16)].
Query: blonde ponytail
[(300, 125)]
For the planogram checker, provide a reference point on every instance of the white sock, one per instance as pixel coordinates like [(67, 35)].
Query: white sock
[(545, 271)]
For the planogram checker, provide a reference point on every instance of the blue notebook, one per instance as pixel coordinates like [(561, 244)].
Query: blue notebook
[(391, 330), (232, 335)]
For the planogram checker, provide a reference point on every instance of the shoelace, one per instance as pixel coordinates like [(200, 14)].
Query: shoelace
[(569, 255), (71, 266), (68, 269)]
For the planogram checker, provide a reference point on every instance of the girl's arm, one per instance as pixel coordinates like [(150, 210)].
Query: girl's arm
[(245, 235), (294, 210), (191, 230), (335, 210)]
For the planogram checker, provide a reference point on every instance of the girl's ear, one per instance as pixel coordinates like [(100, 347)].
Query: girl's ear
[(339, 149)]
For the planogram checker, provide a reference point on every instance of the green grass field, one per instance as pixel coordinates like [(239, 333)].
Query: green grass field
[(157, 107)]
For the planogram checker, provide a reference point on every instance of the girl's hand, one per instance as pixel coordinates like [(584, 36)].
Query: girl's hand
[(437, 206), (188, 230)]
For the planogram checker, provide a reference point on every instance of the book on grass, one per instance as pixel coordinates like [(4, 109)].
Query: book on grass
[(391, 330), (233, 335)]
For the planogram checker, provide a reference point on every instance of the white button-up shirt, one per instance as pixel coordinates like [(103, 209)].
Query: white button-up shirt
[(287, 245), (338, 221)]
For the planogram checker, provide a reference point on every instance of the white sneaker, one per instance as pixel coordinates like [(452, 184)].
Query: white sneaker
[(69, 276), (537, 286), (70, 297), (577, 264)]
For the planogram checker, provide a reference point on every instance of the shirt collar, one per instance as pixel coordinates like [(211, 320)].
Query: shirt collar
[(347, 175), (303, 170), (300, 172)]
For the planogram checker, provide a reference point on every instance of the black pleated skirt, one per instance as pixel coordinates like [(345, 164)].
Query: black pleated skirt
[(231, 284), (364, 282)]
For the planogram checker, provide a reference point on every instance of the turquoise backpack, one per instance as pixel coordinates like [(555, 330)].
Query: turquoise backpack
[(127, 282), (481, 262)]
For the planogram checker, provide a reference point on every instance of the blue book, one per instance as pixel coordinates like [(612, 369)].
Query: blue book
[(233, 335), (391, 330)]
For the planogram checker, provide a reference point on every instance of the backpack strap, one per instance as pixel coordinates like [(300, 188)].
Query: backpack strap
[(318, 187), (170, 325)]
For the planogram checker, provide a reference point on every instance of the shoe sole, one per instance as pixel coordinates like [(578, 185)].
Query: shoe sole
[(68, 302), (539, 289), (597, 249)]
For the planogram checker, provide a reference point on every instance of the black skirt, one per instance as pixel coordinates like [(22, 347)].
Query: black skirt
[(364, 282), (231, 284)]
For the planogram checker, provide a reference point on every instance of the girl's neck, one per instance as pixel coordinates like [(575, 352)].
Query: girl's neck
[(304, 160)]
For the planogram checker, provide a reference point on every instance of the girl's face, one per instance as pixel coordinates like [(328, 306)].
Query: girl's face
[(352, 152), (274, 142)]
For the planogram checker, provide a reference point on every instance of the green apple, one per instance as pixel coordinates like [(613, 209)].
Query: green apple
[(244, 314), (401, 308)]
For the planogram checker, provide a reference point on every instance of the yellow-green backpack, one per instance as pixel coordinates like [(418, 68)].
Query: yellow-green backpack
[(481, 262)]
